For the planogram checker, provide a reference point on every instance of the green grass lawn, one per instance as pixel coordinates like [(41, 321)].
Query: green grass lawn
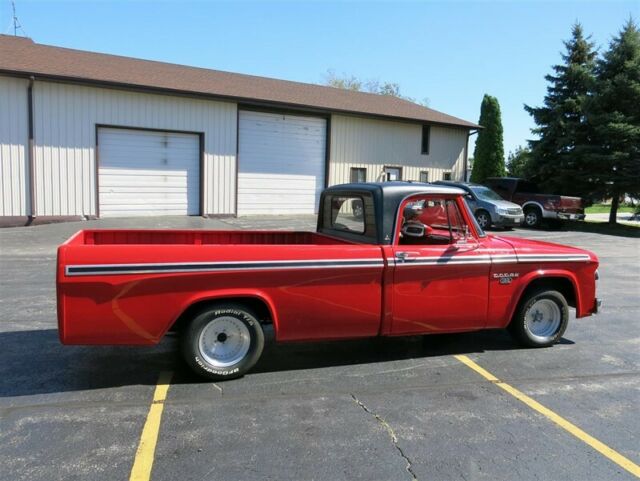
[(605, 208)]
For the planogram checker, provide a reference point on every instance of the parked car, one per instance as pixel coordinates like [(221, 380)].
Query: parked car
[(536, 205), (488, 207), (414, 263)]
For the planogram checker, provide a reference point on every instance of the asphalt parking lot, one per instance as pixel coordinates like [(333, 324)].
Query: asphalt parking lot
[(394, 409)]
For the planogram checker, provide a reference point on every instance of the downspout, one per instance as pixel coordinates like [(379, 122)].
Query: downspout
[(466, 154), (31, 152)]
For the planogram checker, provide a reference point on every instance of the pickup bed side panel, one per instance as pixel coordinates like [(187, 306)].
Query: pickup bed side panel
[(317, 291)]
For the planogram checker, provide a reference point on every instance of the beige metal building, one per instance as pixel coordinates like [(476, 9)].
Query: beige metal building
[(86, 135)]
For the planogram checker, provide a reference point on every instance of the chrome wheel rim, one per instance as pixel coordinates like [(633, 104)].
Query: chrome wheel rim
[(224, 342), (531, 218), (482, 220), (542, 319)]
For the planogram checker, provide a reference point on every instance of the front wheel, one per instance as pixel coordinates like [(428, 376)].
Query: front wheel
[(223, 342), (541, 318), (484, 219)]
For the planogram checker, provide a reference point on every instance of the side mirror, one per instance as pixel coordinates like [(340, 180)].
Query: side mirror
[(416, 229), (413, 230)]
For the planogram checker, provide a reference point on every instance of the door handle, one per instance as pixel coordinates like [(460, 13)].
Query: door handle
[(406, 256)]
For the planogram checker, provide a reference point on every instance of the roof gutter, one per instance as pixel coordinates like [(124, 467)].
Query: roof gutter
[(466, 154), (31, 151)]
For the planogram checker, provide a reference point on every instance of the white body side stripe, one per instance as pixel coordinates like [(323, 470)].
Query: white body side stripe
[(174, 267)]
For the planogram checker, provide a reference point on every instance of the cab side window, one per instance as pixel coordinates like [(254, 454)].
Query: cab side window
[(431, 220)]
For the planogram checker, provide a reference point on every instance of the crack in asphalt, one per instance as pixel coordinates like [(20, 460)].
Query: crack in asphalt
[(391, 433)]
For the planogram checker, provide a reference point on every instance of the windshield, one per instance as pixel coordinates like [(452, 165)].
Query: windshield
[(485, 193), (479, 230)]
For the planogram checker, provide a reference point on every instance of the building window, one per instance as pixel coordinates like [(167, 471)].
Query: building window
[(392, 173), (426, 137), (358, 175), (446, 176), (424, 176)]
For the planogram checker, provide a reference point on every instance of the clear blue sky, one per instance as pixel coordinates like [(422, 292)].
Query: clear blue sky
[(449, 52)]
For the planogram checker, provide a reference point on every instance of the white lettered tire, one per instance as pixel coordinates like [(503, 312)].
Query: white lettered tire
[(223, 341)]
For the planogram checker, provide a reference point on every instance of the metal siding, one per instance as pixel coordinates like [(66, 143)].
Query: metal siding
[(281, 163), (65, 120), (14, 141), (373, 144)]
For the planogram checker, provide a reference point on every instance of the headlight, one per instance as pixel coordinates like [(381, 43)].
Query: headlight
[(502, 211)]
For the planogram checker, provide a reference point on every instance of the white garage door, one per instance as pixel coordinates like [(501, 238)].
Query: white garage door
[(281, 163), (148, 173)]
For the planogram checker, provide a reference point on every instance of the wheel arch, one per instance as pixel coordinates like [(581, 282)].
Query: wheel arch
[(533, 203), (563, 282), (259, 303)]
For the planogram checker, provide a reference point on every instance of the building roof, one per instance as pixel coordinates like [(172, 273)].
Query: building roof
[(21, 56)]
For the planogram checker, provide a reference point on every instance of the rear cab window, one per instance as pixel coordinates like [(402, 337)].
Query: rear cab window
[(349, 216), (528, 187)]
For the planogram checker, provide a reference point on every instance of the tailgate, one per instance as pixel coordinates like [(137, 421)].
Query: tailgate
[(571, 204)]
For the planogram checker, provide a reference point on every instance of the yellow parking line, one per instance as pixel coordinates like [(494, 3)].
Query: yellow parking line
[(599, 446), (143, 462)]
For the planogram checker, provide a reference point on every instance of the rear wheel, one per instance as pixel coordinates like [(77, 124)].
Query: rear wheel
[(532, 217), (484, 219), (223, 341), (541, 318)]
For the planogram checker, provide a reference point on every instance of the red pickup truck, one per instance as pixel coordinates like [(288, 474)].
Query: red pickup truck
[(409, 260), (536, 205)]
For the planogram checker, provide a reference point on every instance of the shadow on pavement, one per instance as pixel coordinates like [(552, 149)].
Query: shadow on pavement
[(34, 362)]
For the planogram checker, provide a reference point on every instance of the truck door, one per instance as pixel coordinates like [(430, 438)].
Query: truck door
[(441, 275)]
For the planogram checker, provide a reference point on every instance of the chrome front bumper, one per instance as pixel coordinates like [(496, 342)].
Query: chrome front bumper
[(597, 306), (507, 220)]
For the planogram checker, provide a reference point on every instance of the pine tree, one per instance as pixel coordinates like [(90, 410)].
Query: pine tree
[(614, 113), (557, 156), (488, 156), (518, 162)]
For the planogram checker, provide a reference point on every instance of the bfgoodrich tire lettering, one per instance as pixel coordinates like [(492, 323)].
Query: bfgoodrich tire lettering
[(541, 318), (223, 341)]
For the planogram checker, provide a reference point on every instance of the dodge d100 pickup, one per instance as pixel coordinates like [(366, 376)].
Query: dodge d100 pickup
[(387, 259)]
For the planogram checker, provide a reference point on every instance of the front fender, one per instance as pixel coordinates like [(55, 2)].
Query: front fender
[(526, 280)]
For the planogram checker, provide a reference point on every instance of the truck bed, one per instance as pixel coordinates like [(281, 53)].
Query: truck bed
[(130, 286), (199, 237)]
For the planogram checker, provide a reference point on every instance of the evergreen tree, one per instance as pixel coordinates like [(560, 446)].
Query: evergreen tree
[(488, 156), (518, 162), (614, 113), (557, 157)]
